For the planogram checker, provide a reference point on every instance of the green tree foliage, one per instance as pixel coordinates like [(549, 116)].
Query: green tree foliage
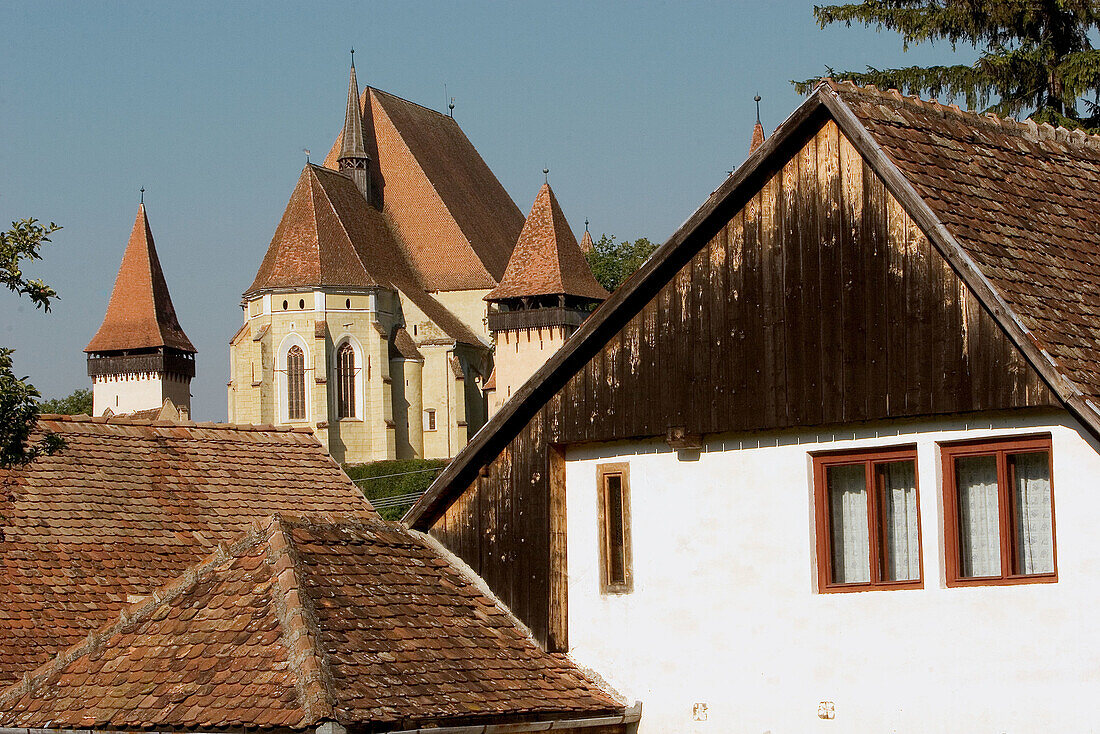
[(613, 261), (76, 403), (397, 479), (1035, 55), (18, 398)]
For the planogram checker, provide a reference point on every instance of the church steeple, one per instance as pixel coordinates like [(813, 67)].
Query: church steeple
[(353, 159)]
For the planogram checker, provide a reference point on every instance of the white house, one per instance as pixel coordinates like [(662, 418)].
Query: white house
[(828, 461)]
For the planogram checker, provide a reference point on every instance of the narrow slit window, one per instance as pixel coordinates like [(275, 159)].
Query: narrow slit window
[(999, 503), (616, 573), (295, 384), (429, 420), (345, 381)]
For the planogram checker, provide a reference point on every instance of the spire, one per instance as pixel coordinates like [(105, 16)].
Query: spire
[(353, 158), (140, 314), (757, 130), (586, 241), (547, 260)]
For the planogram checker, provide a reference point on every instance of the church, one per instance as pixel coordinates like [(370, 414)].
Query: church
[(368, 320), (402, 299)]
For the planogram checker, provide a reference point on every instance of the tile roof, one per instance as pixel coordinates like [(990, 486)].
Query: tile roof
[(456, 221), (140, 314), (351, 144), (547, 259), (127, 506), (303, 621), (1023, 201), (757, 137), (586, 242), (330, 237)]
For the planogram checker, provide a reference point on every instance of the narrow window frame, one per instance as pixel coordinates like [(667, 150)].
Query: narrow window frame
[(1001, 447), (870, 458), (607, 584), (296, 393), (431, 420), (346, 379)]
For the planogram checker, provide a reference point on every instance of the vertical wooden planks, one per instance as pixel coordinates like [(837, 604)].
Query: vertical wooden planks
[(791, 322), (830, 274), (558, 617), (716, 296), (811, 208), (898, 320), (771, 275), (853, 295), (874, 256)]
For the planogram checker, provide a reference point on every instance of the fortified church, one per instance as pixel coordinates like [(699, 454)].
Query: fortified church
[(372, 319)]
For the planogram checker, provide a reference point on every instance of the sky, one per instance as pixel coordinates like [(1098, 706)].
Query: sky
[(638, 109)]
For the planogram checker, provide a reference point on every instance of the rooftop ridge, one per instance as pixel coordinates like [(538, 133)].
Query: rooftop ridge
[(134, 614), (408, 101), (1028, 129), (122, 420)]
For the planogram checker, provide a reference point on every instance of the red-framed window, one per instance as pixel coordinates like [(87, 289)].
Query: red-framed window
[(999, 512), (868, 520)]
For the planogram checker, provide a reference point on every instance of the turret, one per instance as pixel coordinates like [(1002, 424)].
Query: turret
[(353, 159)]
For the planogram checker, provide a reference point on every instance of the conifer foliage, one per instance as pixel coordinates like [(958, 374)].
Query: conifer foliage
[(1036, 58)]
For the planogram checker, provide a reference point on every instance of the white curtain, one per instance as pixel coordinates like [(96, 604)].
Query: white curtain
[(979, 517), (1034, 530), (848, 515), (899, 517)]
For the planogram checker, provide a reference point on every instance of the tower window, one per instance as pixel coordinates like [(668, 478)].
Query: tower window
[(429, 420), (285, 305), (295, 384), (302, 303), (347, 303), (345, 382)]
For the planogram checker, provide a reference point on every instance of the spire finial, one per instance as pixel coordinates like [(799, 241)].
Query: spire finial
[(306, 151), (353, 58), (546, 174), (586, 224), (142, 190), (757, 100)]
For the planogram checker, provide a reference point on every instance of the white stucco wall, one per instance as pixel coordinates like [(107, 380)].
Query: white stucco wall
[(725, 609), (131, 392)]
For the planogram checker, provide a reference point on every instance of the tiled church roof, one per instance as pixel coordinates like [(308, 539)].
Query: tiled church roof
[(547, 259), (140, 314), (301, 622), (456, 221), (128, 505)]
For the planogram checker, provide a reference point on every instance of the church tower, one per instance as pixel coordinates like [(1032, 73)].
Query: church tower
[(546, 293), (140, 356)]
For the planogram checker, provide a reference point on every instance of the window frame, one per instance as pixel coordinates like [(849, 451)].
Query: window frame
[(347, 405), (301, 382), (869, 457), (431, 421), (626, 586), (999, 446)]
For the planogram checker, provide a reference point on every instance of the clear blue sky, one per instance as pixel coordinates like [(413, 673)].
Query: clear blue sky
[(638, 109)]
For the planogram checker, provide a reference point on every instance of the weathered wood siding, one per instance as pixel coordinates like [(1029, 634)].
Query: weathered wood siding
[(819, 302)]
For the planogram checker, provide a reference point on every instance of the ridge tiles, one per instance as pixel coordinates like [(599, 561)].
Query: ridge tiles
[(303, 621), (547, 259), (140, 314)]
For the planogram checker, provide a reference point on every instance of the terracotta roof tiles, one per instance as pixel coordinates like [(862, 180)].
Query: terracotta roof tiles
[(547, 259), (140, 314), (127, 506), (302, 621)]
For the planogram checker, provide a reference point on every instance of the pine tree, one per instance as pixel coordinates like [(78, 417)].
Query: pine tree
[(1035, 55)]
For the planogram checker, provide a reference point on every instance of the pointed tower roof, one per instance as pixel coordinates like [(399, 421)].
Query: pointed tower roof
[(351, 142), (586, 240), (547, 259), (757, 129), (140, 314)]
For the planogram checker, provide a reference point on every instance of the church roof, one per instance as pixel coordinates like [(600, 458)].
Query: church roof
[(127, 505), (547, 259), (304, 621), (140, 314), (446, 207), (330, 237), (351, 144)]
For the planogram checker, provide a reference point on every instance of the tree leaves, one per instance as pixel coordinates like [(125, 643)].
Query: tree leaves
[(1036, 56)]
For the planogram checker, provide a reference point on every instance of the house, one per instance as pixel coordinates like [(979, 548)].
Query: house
[(303, 624), (366, 319), (129, 505), (829, 458), (139, 359)]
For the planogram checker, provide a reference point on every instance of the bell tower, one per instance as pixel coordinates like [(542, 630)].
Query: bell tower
[(353, 159)]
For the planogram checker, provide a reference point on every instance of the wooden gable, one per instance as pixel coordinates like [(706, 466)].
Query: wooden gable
[(814, 300)]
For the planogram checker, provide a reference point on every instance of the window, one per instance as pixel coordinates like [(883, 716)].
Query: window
[(345, 381), (429, 420), (616, 573), (295, 384), (999, 512), (868, 520)]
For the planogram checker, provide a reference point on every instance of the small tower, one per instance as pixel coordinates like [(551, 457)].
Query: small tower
[(353, 159), (586, 240), (140, 356), (757, 129), (547, 291)]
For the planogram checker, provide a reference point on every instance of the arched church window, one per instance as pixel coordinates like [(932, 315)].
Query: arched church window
[(345, 381), (295, 384)]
